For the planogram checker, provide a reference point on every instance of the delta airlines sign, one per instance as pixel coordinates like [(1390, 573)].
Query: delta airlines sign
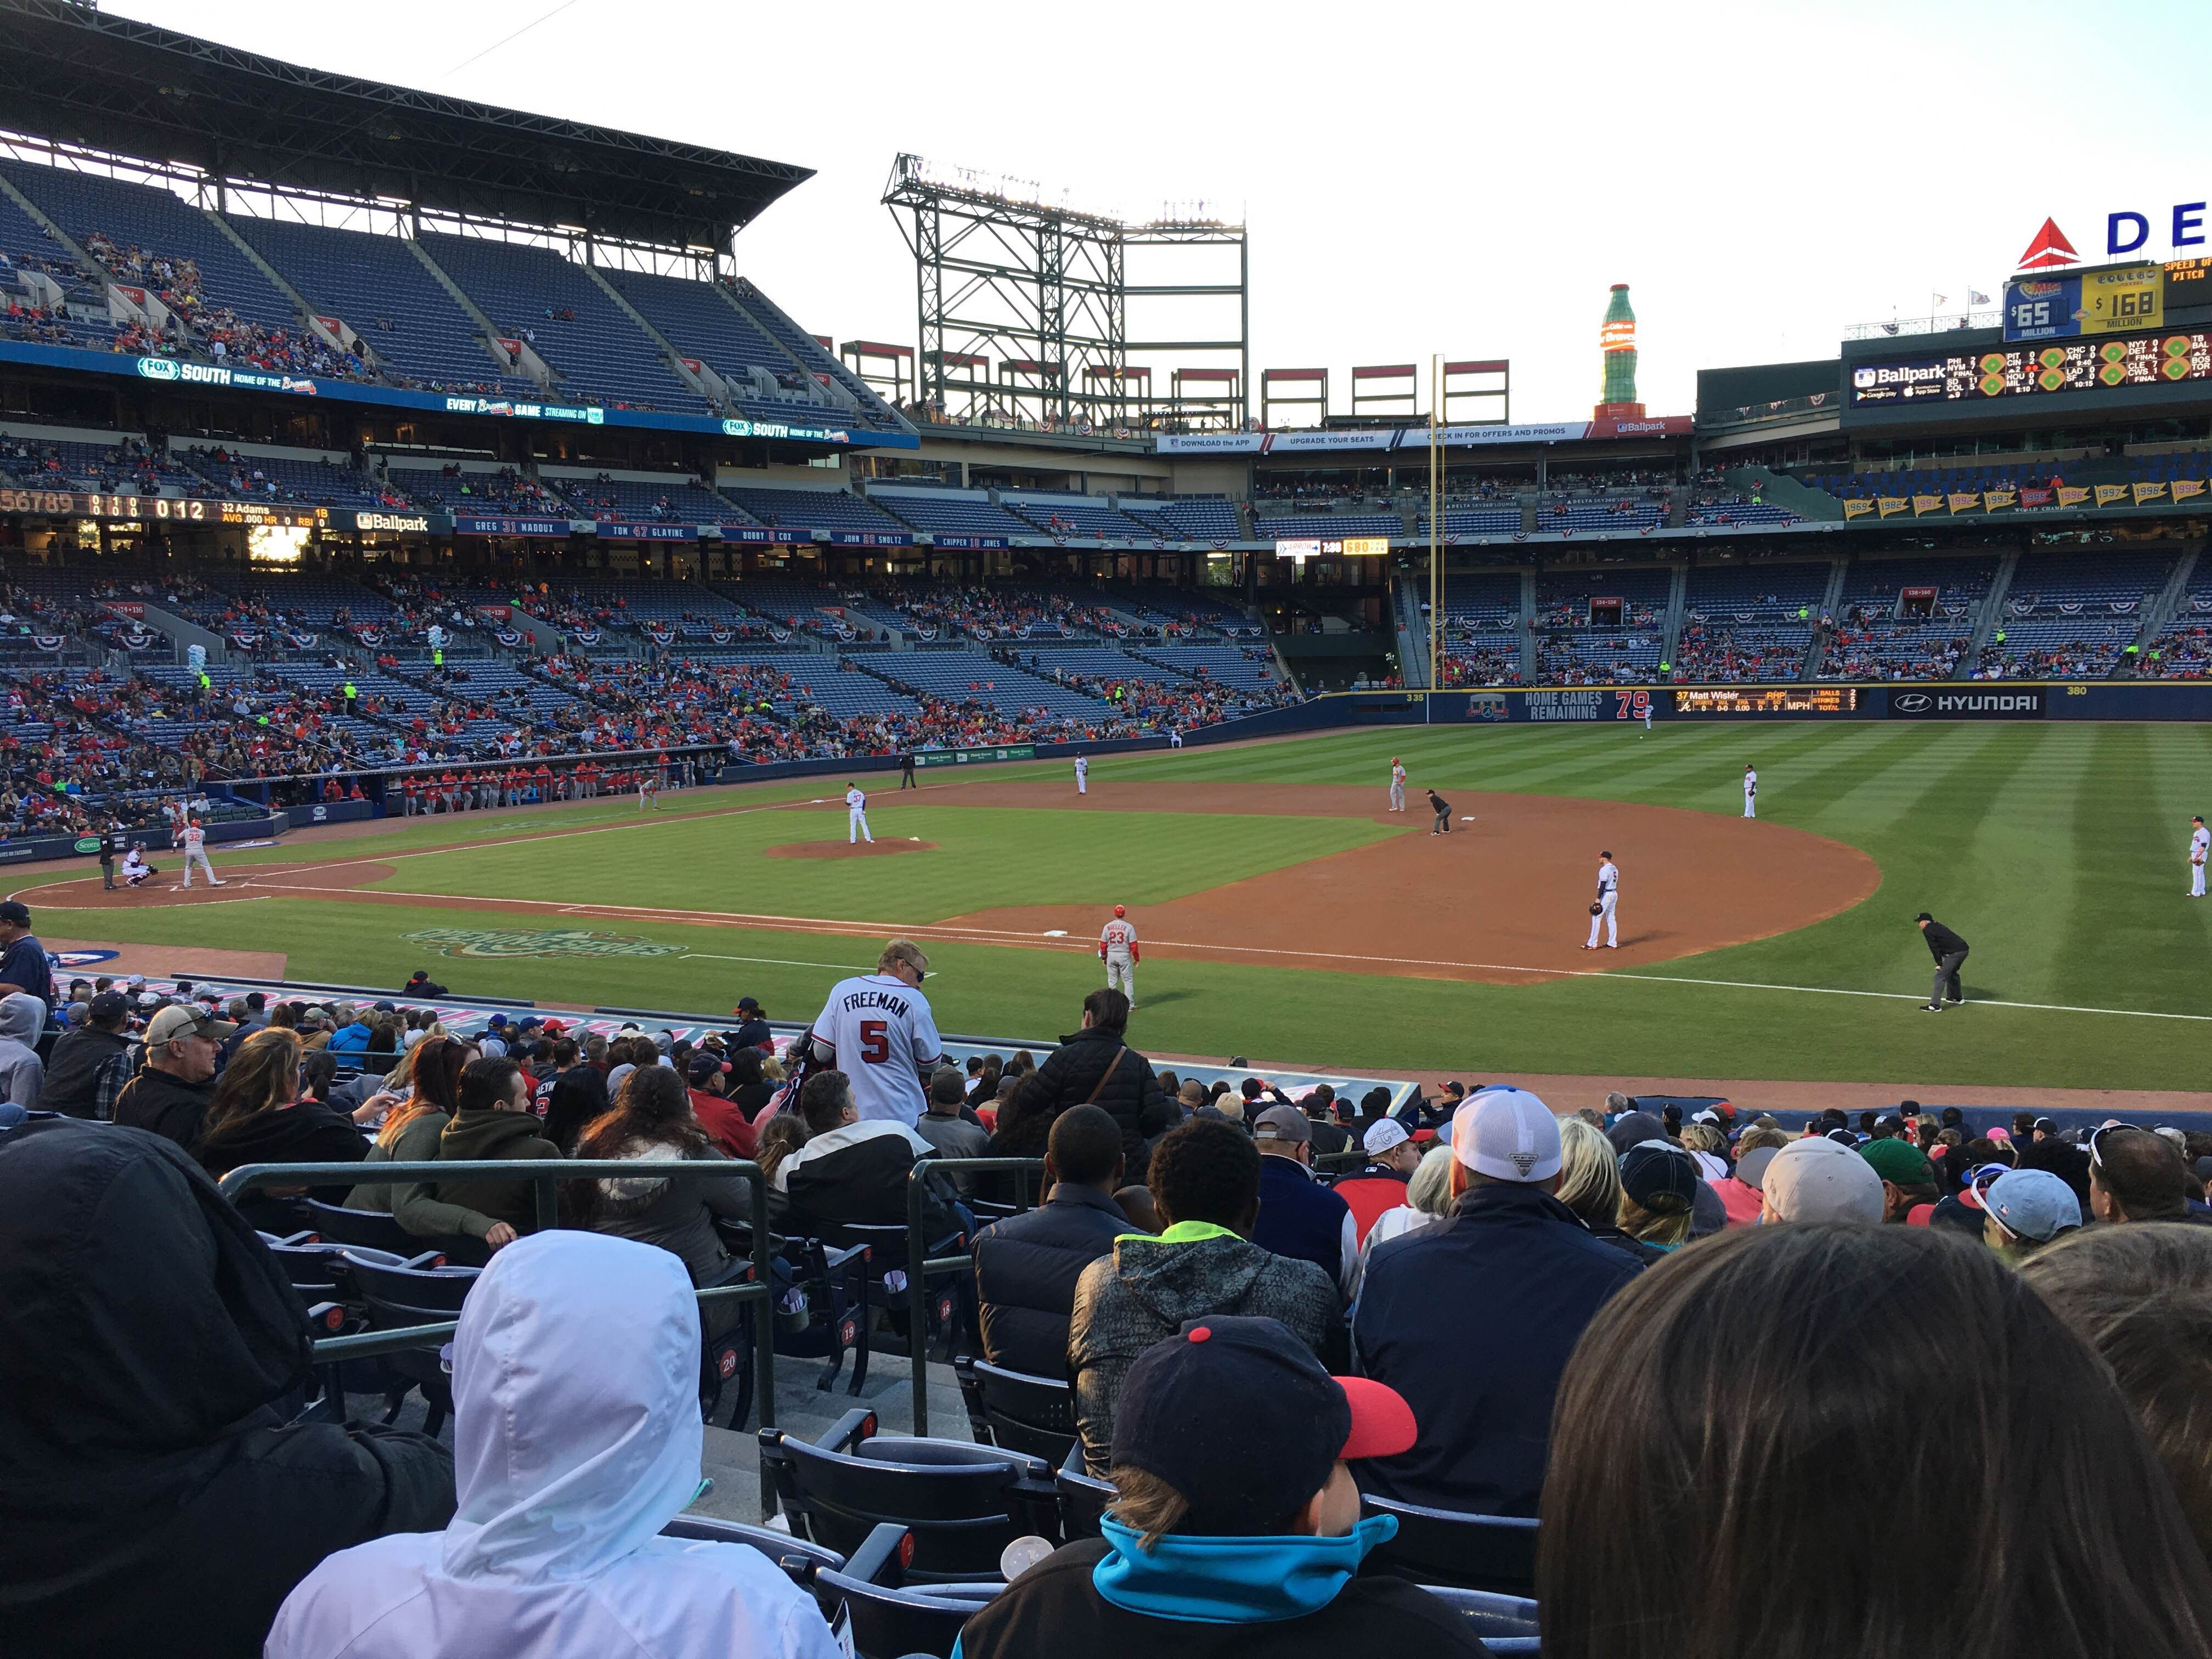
[(2127, 230)]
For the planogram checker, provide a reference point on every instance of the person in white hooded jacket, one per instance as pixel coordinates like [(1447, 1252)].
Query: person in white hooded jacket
[(576, 1439), (22, 1073)]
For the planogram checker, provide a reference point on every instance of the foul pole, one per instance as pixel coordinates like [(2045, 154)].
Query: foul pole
[(1436, 523)]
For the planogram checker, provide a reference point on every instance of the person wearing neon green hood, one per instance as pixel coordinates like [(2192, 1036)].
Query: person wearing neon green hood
[(1222, 1543), (1204, 1178), (576, 1439)]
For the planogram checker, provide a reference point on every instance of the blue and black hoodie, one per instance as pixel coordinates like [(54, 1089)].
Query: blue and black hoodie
[(1192, 1597)]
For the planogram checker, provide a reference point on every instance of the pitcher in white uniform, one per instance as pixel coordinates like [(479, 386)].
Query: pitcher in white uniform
[(193, 840), (1397, 786), (856, 815), (1608, 895), (1750, 793), (2200, 846), (1082, 775), (1117, 948)]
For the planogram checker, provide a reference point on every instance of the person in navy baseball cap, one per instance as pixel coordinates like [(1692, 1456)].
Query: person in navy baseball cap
[(1216, 1524)]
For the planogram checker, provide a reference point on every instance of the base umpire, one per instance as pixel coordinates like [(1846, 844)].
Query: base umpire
[(1442, 810), (1949, 951)]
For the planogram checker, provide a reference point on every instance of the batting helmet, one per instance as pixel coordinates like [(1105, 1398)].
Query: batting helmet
[(1393, 760), (1120, 910)]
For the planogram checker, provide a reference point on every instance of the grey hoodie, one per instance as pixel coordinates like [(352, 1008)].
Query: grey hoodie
[(677, 1215), (1144, 1292), (22, 1073)]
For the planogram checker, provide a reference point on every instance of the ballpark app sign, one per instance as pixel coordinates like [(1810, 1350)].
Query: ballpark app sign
[(2021, 705)]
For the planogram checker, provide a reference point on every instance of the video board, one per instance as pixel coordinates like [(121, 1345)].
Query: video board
[(2022, 371)]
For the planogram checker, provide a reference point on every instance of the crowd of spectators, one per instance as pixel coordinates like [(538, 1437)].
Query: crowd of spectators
[(1619, 1322), (215, 330), (1708, 654)]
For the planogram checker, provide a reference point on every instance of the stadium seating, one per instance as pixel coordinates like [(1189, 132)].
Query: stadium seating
[(813, 510), (961, 677), (668, 500), (949, 511), (279, 478), (532, 293), (1874, 642), (1187, 518), (1331, 524), (377, 286), (1073, 516), (699, 321), (1476, 521), (2062, 618), (1737, 510)]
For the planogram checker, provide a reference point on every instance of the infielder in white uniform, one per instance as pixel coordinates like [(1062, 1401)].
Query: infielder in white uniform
[(1601, 911), (878, 1029), (1750, 793), (1117, 949), (2200, 845), (1082, 775), (1397, 786), (856, 819), (193, 840)]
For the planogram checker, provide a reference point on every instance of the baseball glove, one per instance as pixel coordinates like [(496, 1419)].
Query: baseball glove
[(1596, 909)]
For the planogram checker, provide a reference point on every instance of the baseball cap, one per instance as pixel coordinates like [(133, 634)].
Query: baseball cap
[(554, 1028), (1508, 1134), (1817, 1180), (495, 1022), (1660, 1176), (703, 1066), (386, 1008), (110, 1004), (1751, 1168), (1282, 1123), (180, 1020), (148, 1000), (17, 911), (1167, 1422), (1382, 1134), (2031, 1204), (1900, 1162), (746, 1006)]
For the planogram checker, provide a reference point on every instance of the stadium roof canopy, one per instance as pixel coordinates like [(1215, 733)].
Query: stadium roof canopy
[(71, 74)]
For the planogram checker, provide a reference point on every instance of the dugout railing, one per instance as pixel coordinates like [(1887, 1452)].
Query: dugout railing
[(543, 1175)]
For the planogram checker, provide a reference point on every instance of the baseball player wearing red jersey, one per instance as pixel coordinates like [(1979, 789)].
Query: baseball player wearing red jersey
[(1117, 949), (193, 840)]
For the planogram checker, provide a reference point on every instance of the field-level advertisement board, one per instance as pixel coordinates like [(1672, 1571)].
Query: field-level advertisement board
[(2084, 366), (1015, 751)]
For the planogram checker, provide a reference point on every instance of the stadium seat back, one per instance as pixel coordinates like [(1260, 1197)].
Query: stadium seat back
[(1492, 1554), (1083, 1497), (1034, 1415), (374, 1228)]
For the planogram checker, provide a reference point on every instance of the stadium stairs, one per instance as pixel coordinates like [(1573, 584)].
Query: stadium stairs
[(1412, 635), (309, 322), (1992, 610), (529, 364), (2160, 611), (1670, 630)]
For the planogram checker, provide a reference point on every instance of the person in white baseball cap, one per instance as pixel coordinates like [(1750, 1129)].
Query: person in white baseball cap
[(1473, 1319), (1820, 1180)]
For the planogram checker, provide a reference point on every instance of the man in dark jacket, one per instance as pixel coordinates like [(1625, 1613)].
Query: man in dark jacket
[(1096, 1067), (1472, 1320), (853, 1172), (170, 1094), (421, 985), (495, 1121), (1950, 953), (154, 1496), (1026, 1265), (1223, 1542), (1298, 1216), (91, 1064)]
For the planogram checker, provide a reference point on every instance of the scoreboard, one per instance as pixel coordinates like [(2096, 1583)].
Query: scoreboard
[(1783, 700), (2022, 371), (1333, 547), (68, 504)]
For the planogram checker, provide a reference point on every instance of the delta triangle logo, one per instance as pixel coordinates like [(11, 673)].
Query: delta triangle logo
[(2050, 250)]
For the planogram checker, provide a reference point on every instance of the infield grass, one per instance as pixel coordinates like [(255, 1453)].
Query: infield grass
[(2057, 850)]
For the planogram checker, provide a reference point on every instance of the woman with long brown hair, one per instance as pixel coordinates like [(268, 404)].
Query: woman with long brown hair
[(1742, 1467), (651, 1123), (256, 1115), (413, 1126)]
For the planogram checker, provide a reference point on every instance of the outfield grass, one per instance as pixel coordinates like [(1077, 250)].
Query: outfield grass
[(2057, 850)]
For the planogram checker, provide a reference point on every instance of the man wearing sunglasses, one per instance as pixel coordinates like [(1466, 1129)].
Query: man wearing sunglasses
[(2136, 1174), (879, 1030)]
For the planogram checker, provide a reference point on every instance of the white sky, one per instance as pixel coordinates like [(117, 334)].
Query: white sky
[(1464, 179)]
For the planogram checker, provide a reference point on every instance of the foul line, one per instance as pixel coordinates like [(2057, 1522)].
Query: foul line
[(953, 934)]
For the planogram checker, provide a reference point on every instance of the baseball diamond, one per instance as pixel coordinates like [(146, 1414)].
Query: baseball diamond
[(1272, 879)]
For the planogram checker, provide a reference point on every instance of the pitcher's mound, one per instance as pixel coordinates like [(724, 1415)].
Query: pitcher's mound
[(883, 847)]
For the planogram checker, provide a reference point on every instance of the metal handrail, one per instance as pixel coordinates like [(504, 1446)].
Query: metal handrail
[(918, 1269), (542, 1174)]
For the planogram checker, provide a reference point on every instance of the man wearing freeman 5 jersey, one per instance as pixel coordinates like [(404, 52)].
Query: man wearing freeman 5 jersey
[(878, 1029)]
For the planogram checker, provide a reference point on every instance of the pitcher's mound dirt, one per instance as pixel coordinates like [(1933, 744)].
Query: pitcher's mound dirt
[(882, 847)]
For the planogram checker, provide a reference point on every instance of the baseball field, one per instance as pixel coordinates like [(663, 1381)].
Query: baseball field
[(1283, 913)]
